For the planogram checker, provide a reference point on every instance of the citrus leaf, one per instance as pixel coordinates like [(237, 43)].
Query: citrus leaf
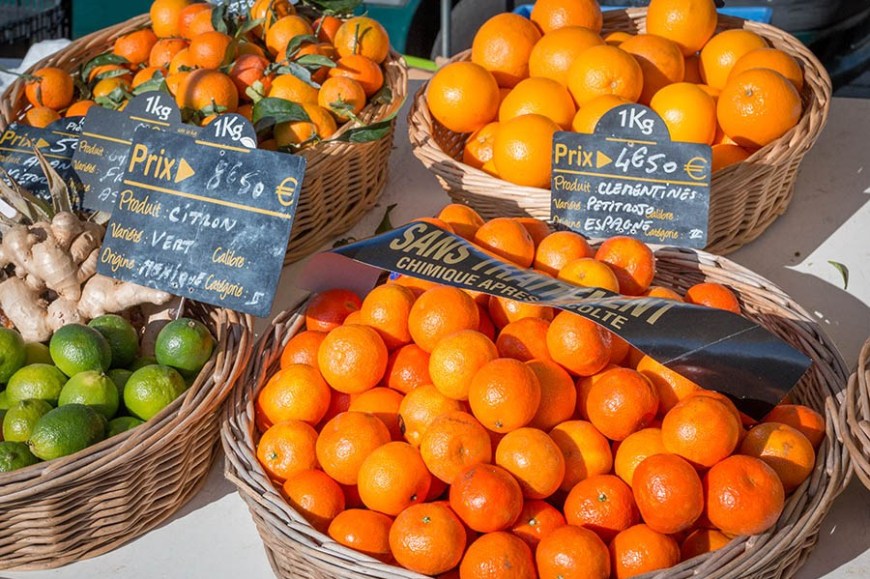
[(296, 43), (219, 18), (334, 6), (112, 73), (101, 60), (156, 82), (249, 25), (299, 72), (385, 224), (384, 96), (367, 133), (271, 111), (844, 271), (314, 61)]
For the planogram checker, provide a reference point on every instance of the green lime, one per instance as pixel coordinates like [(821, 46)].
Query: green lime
[(76, 348), (37, 353), (15, 455), (12, 353), (151, 389), (184, 344), (93, 389), (122, 337), (4, 400), (65, 430), (142, 362), (20, 419), (123, 424), (42, 381)]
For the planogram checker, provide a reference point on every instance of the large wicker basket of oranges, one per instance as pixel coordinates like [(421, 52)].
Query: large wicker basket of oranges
[(345, 461), (347, 142), (507, 173), (855, 416)]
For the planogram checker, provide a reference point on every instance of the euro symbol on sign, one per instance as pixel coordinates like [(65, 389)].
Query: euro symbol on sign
[(286, 190), (696, 168)]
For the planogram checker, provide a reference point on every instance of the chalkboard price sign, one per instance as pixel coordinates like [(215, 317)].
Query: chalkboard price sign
[(101, 157), (629, 178), (203, 219)]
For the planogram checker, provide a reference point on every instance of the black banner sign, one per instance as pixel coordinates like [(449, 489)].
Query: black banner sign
[(629, 178)]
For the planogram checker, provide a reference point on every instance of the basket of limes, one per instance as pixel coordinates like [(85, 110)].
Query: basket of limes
[(109, 394), (855, 418), (484, 123)]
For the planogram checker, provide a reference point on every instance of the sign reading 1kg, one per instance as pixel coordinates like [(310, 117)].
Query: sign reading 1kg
[(629, 178)]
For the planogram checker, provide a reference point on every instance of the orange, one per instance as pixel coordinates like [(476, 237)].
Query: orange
[(365, 531), (212, 49), (453, 442), (302, 348), (280, 34), (297, 392), (106, 87), (701, 429), (702, 393), (455, 360), (79, 108), (590, 113), (500, 555), (247, 70), (182, 61), (660, 59), (636, 448), (383, 403), (163, 50), (587, 452), (463, 96), (346, 441), (315, 496), (50, 87), (702, 541), (503, 311), (554, 53), (773, 59), (622, 401), (602, 70), (504, 395), (166, 16), (524, 339), (292, 88), (559, 248), (477, 151), (534, 459), (486, 497), (419, 409), (352, 359), (541, 96), (693, 69), (689, 23), (713, 295), (784, 449), (503, 45), (439, 312), (386, 309), (506, 238), (757, 107), (320, 125), (41, 116), (392, 478), (328, 309), (617, 37), (639, 549), (725, 155), (537, 228), (361, 69), (194, 20), (689, 112), (135, 46), (619, 350), (589, 272), (464, 220), (744, 496), (631, 260), (427, 539), (723, 51), (362, 35), (287, 448), (407, 368), (603, 504), (668, 493), (555, 14), (522, 148), (205, 89), (584, 384), (537, 520), (342, 97), (582, 347), (670, 386), (806, 420), (572, 552), (558, 395), (327, 27), (269, 11), (146, 74), (664, 293), (109, 71)]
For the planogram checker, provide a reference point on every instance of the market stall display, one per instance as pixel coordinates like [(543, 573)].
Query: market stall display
[(854, 415)]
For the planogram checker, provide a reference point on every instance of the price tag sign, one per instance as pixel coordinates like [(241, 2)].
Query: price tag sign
[(57, 143), (206, 218), (101, 158), (629, 178)]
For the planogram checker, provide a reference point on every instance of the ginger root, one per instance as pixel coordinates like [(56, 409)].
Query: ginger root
[(104, 295)]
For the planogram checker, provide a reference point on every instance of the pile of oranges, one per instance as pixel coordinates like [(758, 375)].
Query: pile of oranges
[(458, 434), (528, 78), (328, 67)]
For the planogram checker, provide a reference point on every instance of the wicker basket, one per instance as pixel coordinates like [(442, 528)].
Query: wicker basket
[(342, 180), (295, 549), (855, 417), (57, 512), (745, 197)]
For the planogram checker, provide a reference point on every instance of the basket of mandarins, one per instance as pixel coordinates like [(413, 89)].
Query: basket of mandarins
[(419, 430), (855, 416), (317, 86), (709, 77)]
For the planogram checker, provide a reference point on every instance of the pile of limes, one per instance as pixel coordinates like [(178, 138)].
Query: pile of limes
[(90, 383)]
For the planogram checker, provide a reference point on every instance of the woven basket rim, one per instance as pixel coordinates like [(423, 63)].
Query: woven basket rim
[(855, 416), (278, 522)]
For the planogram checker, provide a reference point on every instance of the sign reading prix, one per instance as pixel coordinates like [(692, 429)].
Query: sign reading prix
[(629, 178), (102, 154), (204, 219)]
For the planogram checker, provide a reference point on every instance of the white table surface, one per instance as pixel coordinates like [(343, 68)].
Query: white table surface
[(214, 537)]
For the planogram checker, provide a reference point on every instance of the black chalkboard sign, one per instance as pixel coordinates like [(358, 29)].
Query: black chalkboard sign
[(629, 178), (106, 136), (57, 143), (203, 219)]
